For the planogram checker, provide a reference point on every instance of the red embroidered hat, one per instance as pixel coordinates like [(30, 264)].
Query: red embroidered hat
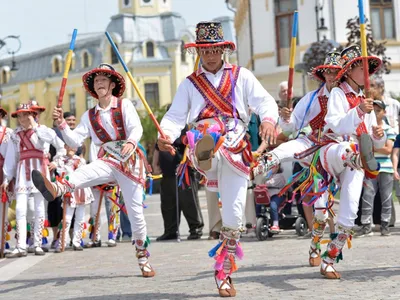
[(23, 107), (35, 106), (210, 34), (3, 112), (332, 62), (352, 55), (105, 70)]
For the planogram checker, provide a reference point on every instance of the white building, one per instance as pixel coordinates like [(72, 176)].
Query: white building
[(263, 29)]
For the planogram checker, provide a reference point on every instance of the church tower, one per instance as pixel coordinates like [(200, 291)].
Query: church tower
[(144, 7)]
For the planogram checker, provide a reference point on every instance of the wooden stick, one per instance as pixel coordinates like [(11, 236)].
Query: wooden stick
[(66, 68), (3, 230), (364, 48), (96, 221), (64, 224), (291, 61)]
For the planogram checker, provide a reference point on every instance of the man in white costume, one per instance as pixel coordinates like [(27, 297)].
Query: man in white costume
[(352, 121), (215, 100), (114, 125), (310, 110)]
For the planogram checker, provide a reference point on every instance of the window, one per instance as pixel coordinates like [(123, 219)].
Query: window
[(127, 3), (149, 49), (56, 65), (382, 19), (72, 104), (151, 94), (85, 60), (5, 75), (114, 58), (183, 52), (284, 10), (146, 1), (89, 101)]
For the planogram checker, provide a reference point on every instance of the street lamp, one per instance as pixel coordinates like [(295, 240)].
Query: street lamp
[(320, 21), (12, 48)]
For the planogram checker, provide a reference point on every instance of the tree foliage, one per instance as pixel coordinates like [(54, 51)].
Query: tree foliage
[(315, 55)]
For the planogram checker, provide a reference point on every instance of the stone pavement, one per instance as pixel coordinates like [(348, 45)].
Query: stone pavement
[(273, 269)]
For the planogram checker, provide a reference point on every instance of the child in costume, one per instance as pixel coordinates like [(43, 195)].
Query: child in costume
[(27, 151), (76, 201)]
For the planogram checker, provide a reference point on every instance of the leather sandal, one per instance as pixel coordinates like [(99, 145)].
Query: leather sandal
[(231, 292), (204, 152), (329, 274), (314, 261), (144, 268)]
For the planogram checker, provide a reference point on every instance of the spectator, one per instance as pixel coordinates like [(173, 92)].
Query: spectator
[(392, 105), (165, 163), (383, 183)]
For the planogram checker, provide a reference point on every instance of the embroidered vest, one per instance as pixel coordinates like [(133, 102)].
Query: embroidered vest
[(218, 100), (353, 102), (319, 121), (117, 122), (27, 152)]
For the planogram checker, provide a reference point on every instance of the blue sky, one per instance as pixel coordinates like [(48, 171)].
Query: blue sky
[(43, 23)]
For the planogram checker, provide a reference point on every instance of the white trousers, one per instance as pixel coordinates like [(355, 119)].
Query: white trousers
[(214, 214), (286, 151), (78, 224), (99, 172), (232, 189), (250, 209), (21, 216), (350, 182)]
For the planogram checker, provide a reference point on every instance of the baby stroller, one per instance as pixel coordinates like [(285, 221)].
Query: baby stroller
[(287, 219)]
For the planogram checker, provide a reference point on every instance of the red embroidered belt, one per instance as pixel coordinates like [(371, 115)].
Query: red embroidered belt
[(27, 155)]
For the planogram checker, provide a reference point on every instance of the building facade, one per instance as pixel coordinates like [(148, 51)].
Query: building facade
[(263, 29), (150, 38)]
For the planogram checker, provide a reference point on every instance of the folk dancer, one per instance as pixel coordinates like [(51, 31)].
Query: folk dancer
[(352, 120), (76, 201), (28, 150), (115, 125), (215, 100)]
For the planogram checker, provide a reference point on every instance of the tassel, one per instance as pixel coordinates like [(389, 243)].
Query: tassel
[(221, 275), (13, 224), (349, 242), (90, 236), (111, 227), (239, 251), (46, 223), (7, 237), (110, 235), (213, 251), (221, 247), (234, 267), (221, 257), (7, 246), (44, 241), (190, 139), (28, 227), (339, 257), (9, 228), (147, 242), (82, 243), (84, 234), (45, 232), (84, 226)]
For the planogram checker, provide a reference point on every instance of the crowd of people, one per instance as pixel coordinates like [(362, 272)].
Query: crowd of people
[(224, 127)]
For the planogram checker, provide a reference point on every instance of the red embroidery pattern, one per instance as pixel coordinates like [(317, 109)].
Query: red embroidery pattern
[(218, 101), (117, 120), (353, 102), (319, 121)]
